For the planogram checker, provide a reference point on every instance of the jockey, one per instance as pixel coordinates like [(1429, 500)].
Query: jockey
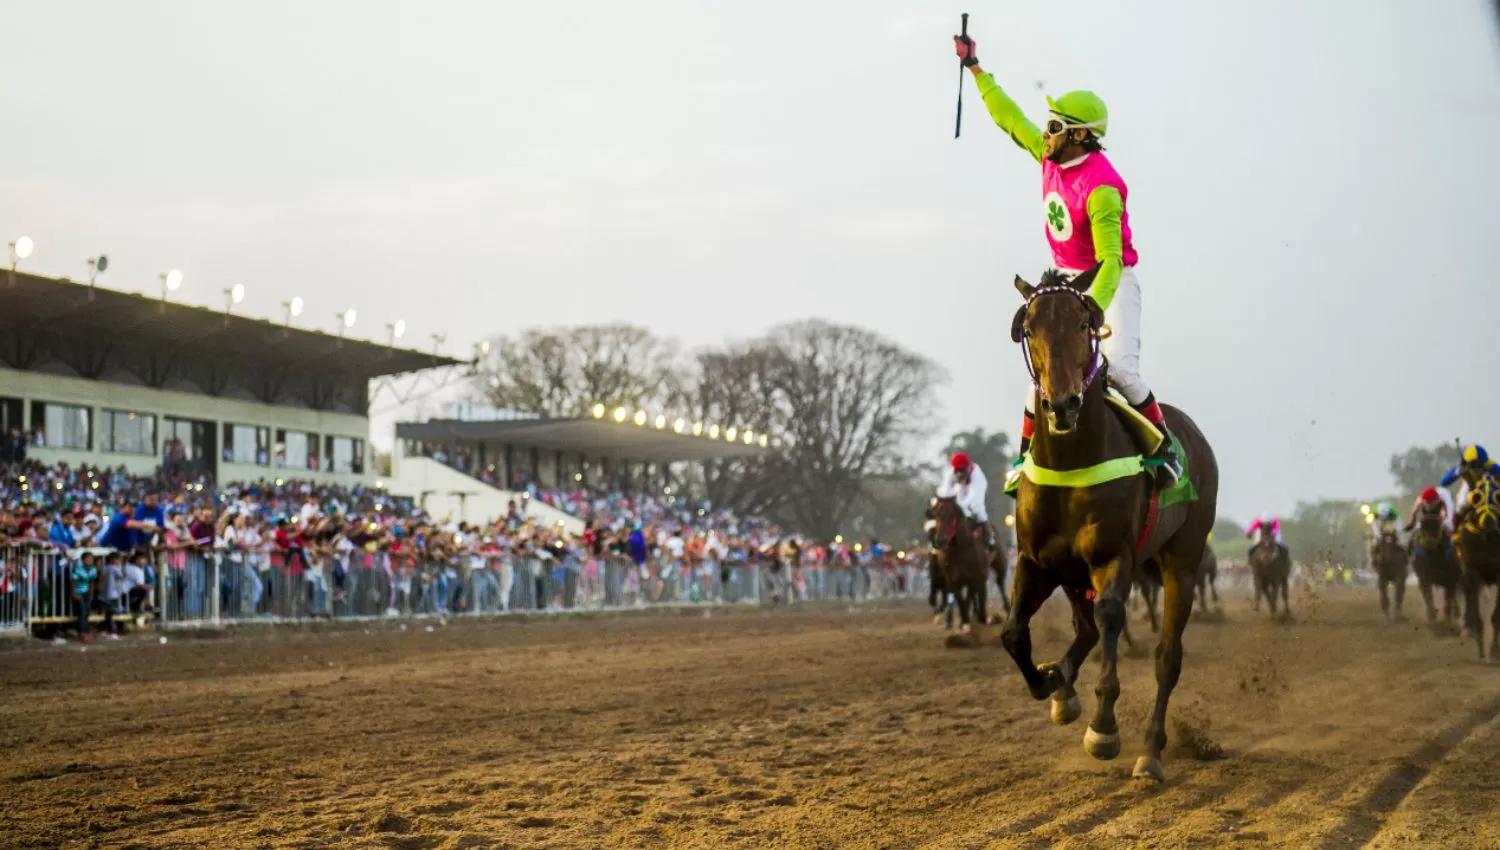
[(1084, 206), (964, 482), (1268, 522), (1474, 466), (1386, 520), (1431, 503)]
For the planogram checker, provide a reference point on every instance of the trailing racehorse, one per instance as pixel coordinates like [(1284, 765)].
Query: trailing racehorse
[(1089, 516), (1388, 557), (1271, 570), (963, 560), (1436, 565)]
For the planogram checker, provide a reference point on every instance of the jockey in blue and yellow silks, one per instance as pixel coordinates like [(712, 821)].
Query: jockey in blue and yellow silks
[(1478, 488)]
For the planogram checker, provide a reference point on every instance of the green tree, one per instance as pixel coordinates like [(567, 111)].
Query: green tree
[(1417, 468), (991, 451), (1327, 530)]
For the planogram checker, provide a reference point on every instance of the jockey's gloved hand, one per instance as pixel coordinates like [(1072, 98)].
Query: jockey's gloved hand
[(967, 49)]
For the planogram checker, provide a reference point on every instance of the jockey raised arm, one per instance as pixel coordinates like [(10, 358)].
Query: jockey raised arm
[(1084, 207), (1267, 522)]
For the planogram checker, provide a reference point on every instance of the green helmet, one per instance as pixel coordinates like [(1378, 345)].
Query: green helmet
[(1082, 108)]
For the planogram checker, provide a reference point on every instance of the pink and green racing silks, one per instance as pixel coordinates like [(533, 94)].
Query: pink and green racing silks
[(1089, 190)]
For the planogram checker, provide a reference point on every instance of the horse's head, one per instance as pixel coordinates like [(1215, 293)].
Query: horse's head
[(1266, 534), (949, 517), (1059, 328)]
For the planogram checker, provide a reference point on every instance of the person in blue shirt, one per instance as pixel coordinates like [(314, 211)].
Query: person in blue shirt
[(62, 532), (637, 545), (83, 576), (126, 531)]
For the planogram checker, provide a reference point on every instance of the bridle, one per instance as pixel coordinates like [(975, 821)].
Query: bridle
[(1097, 332)]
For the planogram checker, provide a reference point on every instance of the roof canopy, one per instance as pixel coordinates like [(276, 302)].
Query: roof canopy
[(592, 437), (48, 306)]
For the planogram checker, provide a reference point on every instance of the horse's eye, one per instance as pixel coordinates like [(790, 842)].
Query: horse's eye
[(1084, 326)]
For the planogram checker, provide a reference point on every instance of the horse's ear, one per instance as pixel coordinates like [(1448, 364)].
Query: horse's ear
[(1026, 289), (1082, 282)]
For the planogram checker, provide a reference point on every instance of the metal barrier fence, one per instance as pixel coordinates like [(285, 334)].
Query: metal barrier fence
[(185, 588)]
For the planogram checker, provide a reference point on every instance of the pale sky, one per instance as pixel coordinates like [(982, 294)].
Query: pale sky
[(1311, 185)]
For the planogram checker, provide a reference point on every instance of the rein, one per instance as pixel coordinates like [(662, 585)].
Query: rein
[(1096, 334)]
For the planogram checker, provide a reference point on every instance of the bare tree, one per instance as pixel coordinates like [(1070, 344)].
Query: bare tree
[(566, 371), (736, 387), (855, 406)]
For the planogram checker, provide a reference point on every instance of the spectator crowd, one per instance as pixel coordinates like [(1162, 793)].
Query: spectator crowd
[(133, 546)]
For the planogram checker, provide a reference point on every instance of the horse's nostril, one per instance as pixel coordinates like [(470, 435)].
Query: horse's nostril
[(1074, 403), (1046, 405)]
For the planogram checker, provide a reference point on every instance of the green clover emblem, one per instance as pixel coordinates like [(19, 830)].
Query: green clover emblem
[(1055, 215)]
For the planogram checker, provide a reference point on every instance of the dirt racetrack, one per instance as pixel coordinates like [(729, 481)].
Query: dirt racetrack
[(810, 728)]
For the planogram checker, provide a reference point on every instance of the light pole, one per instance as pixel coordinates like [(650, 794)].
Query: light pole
[(346, 321), (19, 250), (97, 266), (170, 282), (293, 310), (397, 331), (232, 296)]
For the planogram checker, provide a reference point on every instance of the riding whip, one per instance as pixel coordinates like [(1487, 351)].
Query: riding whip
[(958, 120)]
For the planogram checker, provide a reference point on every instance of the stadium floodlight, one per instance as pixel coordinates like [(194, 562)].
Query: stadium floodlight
[(232, 296), (346, 321), (170, 282), (19, 250), (640, 417), (1010, 520), (397, 329), (620, 414), (1364, 509), (598, 411), (661, 421), (729, 434), (838, 538), (97, 266), (697, 429), (678, 426), (764, 441), (713, 432), (749, 436)]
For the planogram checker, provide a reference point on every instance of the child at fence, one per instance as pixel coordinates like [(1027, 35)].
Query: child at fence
[(111, 582), (140, 581), (83, 576)]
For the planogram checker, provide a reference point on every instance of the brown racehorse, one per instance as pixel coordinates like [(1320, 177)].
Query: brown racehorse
[(1090, 540), (1478, 546), (1208, 577), (1436, 566), (963, 559), (1270, 571), (1388, 557)]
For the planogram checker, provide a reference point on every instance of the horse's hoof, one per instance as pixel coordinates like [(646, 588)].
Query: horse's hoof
[(937, 619), (1100, 746), (964, 629), (1149, 769), (1066, 710)]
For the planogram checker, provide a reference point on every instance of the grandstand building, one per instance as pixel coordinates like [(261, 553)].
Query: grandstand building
[(471, 466), (113, 379)]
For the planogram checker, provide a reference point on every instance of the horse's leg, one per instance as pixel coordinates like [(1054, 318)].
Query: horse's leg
[(1271, 587), (1257, 584), (1151, 608), (965, 599), (1066, 706), (1286, 590), (1203, 592), (1425, 588), (984, 603), (1472, 623), (1495, 627), (1385, 600), (1102, 737), (1033, 586), (1176, 610), (1213, 585), (1400, 594)]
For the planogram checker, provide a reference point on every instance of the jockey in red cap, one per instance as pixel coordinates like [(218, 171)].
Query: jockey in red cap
[(964, 482), (1432, 501)]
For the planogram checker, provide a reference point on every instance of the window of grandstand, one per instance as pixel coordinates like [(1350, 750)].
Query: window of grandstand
[(296, 450), (10, 414), (247, 444), (61, 426), (345, 454), (127, 432)]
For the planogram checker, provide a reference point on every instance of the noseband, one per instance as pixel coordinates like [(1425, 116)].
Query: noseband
[(1018, 334)]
